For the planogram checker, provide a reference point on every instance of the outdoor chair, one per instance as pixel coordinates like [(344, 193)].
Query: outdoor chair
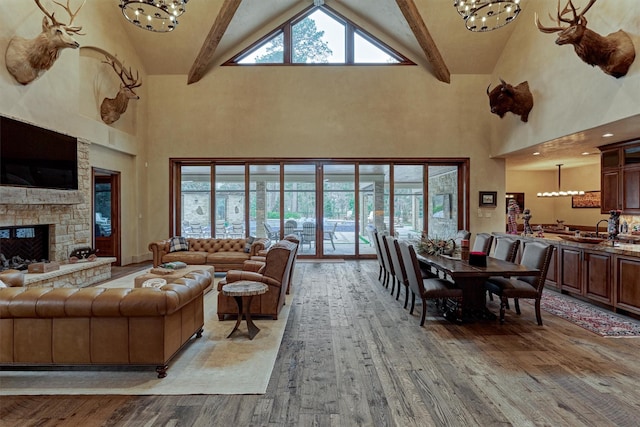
[(308, 233), (290, 227), (236, 230), (271, 234), (429, 288), (537, 255), (330, 234), (220, 230)]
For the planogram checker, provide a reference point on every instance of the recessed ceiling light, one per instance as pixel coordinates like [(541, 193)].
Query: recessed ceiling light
[(537, 153), (586, 153), (607, 135)]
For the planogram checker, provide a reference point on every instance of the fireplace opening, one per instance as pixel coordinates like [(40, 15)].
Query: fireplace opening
[(23, 245)]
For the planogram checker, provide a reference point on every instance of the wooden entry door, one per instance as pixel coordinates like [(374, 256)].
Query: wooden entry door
[(106, 213)]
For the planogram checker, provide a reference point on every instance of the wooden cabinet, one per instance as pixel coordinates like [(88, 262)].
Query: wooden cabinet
[(552, 273), (620, 177), (571, 261), (596, 271), (627, 279)]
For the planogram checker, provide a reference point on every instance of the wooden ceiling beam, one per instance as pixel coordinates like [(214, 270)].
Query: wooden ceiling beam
[(208, 49), (420, 31)]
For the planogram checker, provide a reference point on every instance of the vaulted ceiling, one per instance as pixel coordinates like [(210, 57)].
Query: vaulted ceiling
[(429, 32)]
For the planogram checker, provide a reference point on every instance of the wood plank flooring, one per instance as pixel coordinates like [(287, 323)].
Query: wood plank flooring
[(353, 356)]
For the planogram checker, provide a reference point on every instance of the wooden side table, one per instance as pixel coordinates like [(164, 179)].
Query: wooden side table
[(243, 292)]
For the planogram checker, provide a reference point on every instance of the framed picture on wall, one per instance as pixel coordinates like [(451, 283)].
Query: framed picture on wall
[(590, 199), (488, 199)]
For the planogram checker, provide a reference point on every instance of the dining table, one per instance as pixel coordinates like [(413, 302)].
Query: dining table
[(471, 279)]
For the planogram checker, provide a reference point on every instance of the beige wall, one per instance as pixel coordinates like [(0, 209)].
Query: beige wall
[(569, 95)]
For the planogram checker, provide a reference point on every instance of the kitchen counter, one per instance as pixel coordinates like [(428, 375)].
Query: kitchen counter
[(628, 249)]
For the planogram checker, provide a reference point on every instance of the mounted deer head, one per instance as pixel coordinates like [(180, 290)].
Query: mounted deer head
[(27, 59), (614, 53), (112, 108), (506, 98)]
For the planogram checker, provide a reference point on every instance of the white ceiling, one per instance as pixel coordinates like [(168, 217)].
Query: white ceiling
[(383, 18)]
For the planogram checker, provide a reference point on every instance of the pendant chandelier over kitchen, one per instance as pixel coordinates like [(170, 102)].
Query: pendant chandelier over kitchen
[(154, 15), (487, 15), (560, 192)]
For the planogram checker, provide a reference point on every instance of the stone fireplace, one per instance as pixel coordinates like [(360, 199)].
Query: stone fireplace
[(20, 246), (66, 214)]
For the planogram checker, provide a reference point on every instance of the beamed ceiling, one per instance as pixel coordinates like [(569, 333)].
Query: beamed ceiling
[(429, 32)]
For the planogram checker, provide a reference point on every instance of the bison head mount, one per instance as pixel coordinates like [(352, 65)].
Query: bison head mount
[(506, 98)]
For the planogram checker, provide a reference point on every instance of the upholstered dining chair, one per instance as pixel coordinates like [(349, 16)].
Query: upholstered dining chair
[(534, 255), (390, 273), (482, 243), (381, 260), (429, 288), (460, 236), (399, 273), (506, 248)]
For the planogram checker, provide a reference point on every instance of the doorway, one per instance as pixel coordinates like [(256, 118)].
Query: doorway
[(106, 213)]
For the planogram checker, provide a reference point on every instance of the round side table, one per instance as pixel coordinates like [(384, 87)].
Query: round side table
[(243, 292)]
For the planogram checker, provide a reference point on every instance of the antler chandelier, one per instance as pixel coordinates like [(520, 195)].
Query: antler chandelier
[(487, 15), (153, 15)]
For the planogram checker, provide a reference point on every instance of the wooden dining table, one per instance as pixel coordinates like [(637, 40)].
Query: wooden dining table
[(471, 279)]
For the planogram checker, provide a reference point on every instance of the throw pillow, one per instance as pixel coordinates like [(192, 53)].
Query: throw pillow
[(154, 283), (248, 243), (178, 243)]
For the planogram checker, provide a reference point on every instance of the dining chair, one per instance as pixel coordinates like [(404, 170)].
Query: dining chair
[(399, 275), (390, 273), (429, 288), (482, 243), (308, 233), (506, 249), (534, 255), (460, 236), (381, 259), (401, 271)]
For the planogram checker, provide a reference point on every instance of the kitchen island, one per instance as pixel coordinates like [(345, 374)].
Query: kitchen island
[(602, 273)]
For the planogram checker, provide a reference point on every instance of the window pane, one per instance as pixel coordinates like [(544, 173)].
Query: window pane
[(300, 203), (443, 201), (366, 52), (195, 190), (374, 197), (230, 202), (264, 201), (339, 204), (318, 39), (269, 52), (408, 201)]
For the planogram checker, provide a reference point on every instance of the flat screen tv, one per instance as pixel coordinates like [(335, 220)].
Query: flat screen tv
[(31, 156)]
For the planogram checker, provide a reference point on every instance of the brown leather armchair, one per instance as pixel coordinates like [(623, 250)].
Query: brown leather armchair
[(262, 256), (275, 272)]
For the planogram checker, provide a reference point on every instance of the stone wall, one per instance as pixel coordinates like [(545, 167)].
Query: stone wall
[(67, 212), (446, 183)]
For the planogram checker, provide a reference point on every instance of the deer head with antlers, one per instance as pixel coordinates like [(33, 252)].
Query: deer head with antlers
[(27, 59), (112, 108), (613, 53)]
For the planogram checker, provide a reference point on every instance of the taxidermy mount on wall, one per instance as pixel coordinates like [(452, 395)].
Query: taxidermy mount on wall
[(613, 53), (506, 98), (112, 108), (27, 59)]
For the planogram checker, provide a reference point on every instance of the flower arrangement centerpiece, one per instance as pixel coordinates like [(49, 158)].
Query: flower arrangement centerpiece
[(436, 245)]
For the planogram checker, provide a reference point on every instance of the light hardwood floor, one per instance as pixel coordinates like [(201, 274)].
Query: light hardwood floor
[(352, 355)]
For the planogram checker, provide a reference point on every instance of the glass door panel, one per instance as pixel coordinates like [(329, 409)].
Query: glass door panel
[(442, 209), (300, 205), (195, 201), (373, 199), (230, 202), (338, 230), (408, 201), (264, 201)]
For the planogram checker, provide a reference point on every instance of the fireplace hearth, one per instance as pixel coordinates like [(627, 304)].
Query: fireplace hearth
[(23, 245)]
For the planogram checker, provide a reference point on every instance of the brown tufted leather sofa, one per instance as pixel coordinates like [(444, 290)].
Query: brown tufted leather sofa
[(12, 278), (223, 254), (274, 272), (100, 326)]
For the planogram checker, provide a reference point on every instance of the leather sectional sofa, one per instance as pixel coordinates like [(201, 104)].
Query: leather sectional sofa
[(100, 326), (223, 254)]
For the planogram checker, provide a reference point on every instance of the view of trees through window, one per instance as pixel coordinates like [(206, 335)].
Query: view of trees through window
[(319, 36)]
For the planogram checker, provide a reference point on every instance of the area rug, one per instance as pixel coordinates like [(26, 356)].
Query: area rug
[(594, 319), (211, 364)]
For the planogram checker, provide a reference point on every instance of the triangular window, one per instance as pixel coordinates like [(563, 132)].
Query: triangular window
[(319, 35)]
